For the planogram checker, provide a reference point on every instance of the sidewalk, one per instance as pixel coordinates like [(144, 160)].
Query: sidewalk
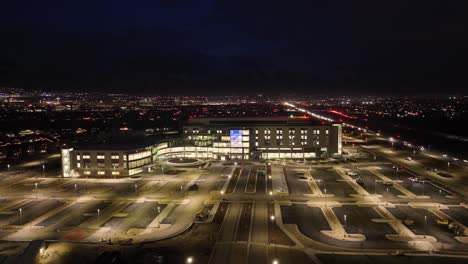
[(280, 185)]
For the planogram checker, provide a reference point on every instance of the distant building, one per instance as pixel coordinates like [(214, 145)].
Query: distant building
[(212, 138)]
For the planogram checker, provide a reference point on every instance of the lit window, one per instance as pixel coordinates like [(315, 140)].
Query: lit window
[(87, 172), (101, 172), (115, 173), (78, 165)]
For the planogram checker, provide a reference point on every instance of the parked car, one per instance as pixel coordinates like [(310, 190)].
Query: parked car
[(388, 183), (351, 173), (456, 228), (408, 221), (443, 222), (360, 181)]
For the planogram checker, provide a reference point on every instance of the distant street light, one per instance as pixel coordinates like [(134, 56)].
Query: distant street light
[(344, 224), (76, 186), (425, 224), (448, 166), (21, 216), (275, 261), (272, 218), (35, 184), (8, 166), (43, 170), (189, 260), (98, 214), (423, 188)]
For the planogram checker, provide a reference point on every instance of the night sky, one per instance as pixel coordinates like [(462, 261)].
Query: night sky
[(236, 47)]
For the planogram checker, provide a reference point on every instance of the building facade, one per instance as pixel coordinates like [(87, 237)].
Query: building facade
[(268, 138), (211, 138)]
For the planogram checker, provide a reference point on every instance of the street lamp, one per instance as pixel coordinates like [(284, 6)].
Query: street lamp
[(425, 224), (272, 218), (43, 170), (35, 184), (8, 166), (344, 224), (423, 188), (98, 213), (275, 261), (189, 260), (448, 166), (76, 186), (414, 153), (375, 186), (21, 216)]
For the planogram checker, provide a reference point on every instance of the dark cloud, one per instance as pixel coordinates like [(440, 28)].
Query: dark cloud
[(193, 46)]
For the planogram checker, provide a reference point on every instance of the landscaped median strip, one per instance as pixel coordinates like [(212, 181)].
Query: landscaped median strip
[(396, 185), (314, 186), (403, 233), (352, 183), (437, 212), (337, 231)]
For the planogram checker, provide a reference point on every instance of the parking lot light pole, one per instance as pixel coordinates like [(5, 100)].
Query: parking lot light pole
[(425, 225), (21, 216), (43, 170), (344, 225), (98, 214), (76, 187), (35, 184), (423, 188), (8, 166), (448, 166)]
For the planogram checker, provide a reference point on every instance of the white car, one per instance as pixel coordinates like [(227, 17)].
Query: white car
[(351, 173)]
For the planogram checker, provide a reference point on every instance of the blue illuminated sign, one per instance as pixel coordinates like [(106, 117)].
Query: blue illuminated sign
[(236, 138)]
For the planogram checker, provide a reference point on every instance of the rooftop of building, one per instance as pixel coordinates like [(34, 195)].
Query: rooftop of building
[(122, 141)]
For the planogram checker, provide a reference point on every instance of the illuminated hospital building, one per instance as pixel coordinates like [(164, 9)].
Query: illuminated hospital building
[(210, 138)]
